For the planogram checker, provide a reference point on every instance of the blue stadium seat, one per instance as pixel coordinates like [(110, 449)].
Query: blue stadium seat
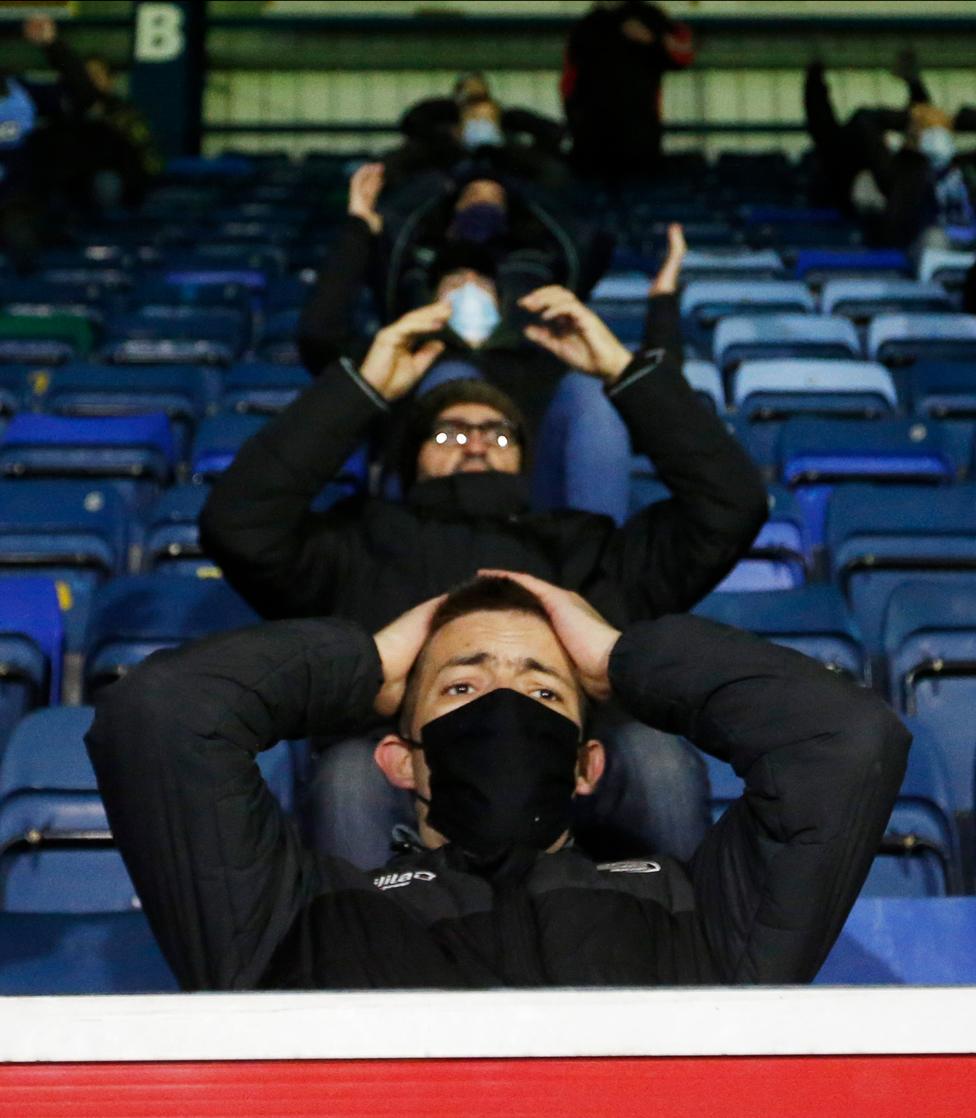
[(744, 265), (706, 302), (741, 338), (201, 287), (31, 649), (945, 267), (277, 340), (262, 389), (773, 389), (942, 389), (167, 335), (813, 620), (57, 853), (171, 542), (621, 287), (930, 642), (814, 455), (880, 536), (14, 390), (919, 855), (134, 615), (80, 953), (45, 336), (861, 299), (777, 558), (706, 380), (182, 393), (231, 255), (818, 266), (905, 941), (74, 532), (218, 439), (900, 339), (136, 453)]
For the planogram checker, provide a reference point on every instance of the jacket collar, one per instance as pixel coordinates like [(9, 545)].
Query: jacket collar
[(493, 494)]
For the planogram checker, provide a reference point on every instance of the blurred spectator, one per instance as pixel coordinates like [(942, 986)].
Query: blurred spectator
[(462, 455), (498, 241), (99, 152), (913, 195), (472, 118), (616, 58)]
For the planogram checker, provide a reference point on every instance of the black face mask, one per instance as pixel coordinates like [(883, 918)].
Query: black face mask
[(502, 773)]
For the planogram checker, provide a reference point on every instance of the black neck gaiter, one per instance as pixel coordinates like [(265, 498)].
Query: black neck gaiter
[(502, 774)]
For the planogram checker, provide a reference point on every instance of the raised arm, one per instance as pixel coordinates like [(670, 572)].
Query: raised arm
[(220, 870), (257, 524), (325, 328), (822, 760), (42, 31)]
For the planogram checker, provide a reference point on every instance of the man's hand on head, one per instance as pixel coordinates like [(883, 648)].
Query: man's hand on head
[(586, 636), (395, 362), (399, 645), (364, 190), (574, 334)]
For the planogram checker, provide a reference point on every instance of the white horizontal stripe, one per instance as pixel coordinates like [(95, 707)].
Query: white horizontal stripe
[(536, 1023)]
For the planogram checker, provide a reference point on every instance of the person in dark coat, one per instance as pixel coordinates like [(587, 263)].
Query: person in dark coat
[(462, 458), (616, 59), (492, 687)]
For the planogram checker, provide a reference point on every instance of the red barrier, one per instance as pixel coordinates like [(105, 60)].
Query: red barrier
[(692, 1087)]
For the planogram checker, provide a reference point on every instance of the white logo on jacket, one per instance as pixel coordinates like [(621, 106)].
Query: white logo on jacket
[(630, 867), (398, 880)]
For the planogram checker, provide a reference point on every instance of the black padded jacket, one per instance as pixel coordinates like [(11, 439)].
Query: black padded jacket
[(238, 903), (370, 560)]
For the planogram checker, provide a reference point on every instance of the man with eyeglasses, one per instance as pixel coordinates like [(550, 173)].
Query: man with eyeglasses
[(462, 456)]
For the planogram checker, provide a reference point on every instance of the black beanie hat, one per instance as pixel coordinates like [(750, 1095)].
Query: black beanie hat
[(425, 409)]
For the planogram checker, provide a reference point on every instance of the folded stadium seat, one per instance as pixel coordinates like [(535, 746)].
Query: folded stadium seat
[(134, 615), (200, 288), (277, 343), (880, 536), (56, 850), (171, 540), (945, 267), (777, 558), (818, 266), (80, 953), (200, 169), (900, 339), (136, 453), (218, 439), (815, 455), (48, 338), (905, 941), (705, 302), (267, 258), (284, 293), (262, 389), (31, 649), (170, 335), (74, 532), (706, 380), (929, 638), (942, 389), (183, 394), (742, 265), (862, 299), (38, 298), (766, 392), (620, 299), (919, 855), (749, 337), (13, 391), (813, 620)]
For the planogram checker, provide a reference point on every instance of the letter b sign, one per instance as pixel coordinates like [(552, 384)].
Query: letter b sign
[(159, 33)]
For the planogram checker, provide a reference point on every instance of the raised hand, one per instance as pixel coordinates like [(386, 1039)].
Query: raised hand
[(393, 365), (666, 281), (40, 30), (364, 190), (574, 334), (399, 644), (586, 636)]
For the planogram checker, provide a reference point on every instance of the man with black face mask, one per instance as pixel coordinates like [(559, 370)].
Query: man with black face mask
[(491, 684)]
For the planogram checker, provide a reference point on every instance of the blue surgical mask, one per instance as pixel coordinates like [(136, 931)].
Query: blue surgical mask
[(474, 313), (938, 146), (479, 132)]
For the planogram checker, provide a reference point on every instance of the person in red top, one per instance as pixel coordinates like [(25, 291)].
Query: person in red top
[(616, 58)]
